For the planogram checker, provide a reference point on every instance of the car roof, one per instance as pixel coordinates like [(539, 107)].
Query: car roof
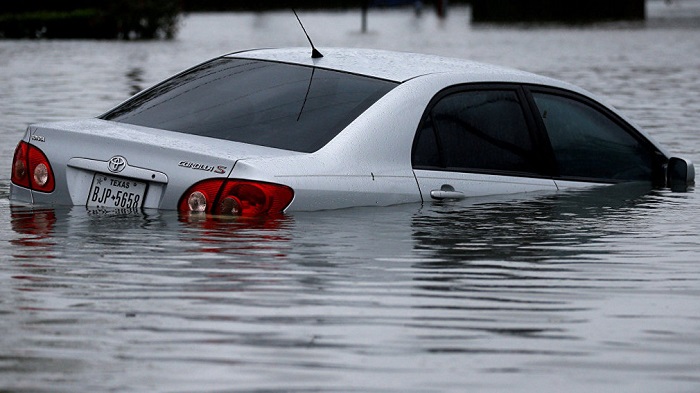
[(394, 66)]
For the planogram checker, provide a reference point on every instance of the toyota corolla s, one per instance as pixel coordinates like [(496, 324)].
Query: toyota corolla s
[(267, 131)]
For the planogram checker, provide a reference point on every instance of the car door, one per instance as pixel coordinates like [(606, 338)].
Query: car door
[(477, 140)]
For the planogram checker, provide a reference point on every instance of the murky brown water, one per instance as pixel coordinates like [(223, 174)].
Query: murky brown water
[(588, 291)]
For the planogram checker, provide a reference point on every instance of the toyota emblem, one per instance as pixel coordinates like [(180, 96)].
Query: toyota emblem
[(117, 164)]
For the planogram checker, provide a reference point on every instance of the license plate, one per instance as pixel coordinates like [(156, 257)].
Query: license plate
[(115, 192)]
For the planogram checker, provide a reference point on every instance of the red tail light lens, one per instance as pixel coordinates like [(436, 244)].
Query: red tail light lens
[(31, 169), (236, 197), (20, 173)]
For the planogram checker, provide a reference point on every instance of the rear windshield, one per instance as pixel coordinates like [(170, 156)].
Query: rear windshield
[(263, 103)]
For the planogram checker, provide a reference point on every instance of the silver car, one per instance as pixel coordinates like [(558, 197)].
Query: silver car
[(267, 131)]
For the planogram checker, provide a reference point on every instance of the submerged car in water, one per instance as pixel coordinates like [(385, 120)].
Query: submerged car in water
[(267, 131)]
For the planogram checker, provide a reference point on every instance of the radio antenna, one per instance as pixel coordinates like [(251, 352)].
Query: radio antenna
[(315, 54)]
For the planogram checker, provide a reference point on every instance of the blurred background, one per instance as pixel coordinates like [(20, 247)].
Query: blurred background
[(147, 19)]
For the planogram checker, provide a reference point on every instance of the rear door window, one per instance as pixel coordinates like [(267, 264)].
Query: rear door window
[(265, 103), (476, 140), (482, 131)]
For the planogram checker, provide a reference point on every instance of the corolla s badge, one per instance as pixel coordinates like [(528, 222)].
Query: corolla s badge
[(117, 164), (220, 169)]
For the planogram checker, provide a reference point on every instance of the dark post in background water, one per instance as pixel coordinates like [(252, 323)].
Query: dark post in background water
[(566, 11), (440, 7)]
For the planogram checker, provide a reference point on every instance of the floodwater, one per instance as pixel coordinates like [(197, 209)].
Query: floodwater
[(595, 290)]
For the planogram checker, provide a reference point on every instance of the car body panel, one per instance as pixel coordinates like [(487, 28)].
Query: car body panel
[(478, 184), (572, 184), (389, 65)]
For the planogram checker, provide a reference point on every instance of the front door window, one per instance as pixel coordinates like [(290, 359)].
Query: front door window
[(587, 144)]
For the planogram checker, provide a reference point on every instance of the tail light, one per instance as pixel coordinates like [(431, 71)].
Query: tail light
[(31, 169), (236, 197)]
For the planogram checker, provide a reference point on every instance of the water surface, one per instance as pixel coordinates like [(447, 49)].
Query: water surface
[(597, 290)]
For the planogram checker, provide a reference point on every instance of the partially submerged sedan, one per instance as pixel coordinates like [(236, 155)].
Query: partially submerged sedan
[(266, 131)]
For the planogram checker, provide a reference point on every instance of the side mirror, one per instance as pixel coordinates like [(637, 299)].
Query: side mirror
[(680, 174)]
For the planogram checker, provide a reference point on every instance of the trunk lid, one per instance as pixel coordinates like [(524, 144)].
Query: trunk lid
[(158, 164)]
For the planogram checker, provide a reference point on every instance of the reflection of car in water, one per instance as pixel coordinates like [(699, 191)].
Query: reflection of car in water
[(530, 226), (504, 228), (265, 131)]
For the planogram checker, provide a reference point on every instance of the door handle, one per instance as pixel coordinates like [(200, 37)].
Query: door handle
[(446, 192)]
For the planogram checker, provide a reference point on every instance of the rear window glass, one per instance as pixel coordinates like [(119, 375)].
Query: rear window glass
[(263, 103)]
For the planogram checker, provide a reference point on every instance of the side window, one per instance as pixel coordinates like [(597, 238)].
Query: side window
[(588, 144), (476, 130)]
